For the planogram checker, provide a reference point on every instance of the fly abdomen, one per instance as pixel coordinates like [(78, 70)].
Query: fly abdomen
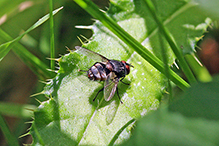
[(97, 72)]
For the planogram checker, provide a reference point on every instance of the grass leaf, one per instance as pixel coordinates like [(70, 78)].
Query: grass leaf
[(33, 62)]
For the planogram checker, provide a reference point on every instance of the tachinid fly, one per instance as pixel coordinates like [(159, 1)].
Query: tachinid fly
[(110, 71)]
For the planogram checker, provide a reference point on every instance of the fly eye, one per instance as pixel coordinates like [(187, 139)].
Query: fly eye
[(127, 68)]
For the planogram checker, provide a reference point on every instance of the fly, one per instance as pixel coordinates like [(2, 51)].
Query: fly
[(110, 71)]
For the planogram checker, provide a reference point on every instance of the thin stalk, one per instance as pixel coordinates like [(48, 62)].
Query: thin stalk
[(52, 41)]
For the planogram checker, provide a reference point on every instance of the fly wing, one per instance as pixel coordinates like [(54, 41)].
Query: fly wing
[(110, 86), (91, 54), (111, 111)]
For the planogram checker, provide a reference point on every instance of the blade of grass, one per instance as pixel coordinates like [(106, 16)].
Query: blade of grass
[(94, 11), (182, 62), (34, 63), (52, 41), (11, 140), (9, 44), (37, 66)]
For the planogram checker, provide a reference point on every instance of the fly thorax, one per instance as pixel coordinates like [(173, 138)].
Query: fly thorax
[(109, 66), (118, 68)]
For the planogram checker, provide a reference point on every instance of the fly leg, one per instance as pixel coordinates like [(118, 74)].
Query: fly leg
[(98, 93), (118, 95), (124, 82)]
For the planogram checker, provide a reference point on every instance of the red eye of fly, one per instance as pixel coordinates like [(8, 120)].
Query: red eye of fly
[(127, 68)]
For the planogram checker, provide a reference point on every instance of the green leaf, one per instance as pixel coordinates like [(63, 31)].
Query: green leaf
[(163, 128), (190, 120), (72, 118)]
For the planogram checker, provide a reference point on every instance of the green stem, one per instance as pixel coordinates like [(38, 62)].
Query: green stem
[(52, 41)]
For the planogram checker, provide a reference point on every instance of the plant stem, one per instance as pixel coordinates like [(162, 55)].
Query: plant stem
[(52, 41)]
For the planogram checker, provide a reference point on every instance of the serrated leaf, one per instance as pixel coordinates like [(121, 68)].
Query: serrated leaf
[(83, 121)]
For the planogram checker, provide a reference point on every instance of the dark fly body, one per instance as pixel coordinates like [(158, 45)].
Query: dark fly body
[(110, 71)]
